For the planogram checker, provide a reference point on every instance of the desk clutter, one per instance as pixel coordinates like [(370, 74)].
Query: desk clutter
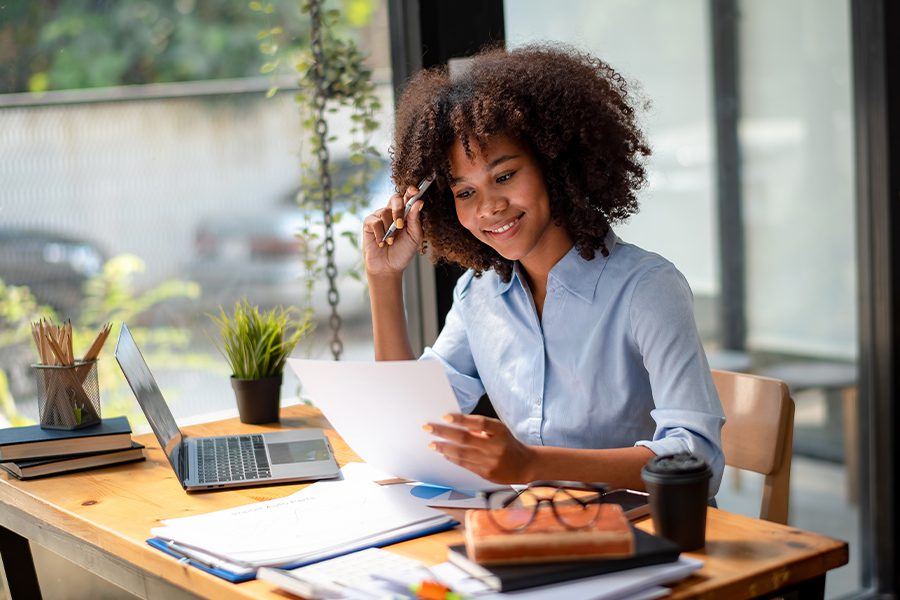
[(323, 542), (33, 451), (321, 521)]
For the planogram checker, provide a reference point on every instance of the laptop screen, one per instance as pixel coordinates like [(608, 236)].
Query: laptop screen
[(149, 397)]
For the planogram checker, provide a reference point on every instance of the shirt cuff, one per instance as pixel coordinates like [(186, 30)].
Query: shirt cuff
[(697, 446)]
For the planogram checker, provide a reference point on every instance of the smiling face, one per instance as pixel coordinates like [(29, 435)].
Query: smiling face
[(501, 198)]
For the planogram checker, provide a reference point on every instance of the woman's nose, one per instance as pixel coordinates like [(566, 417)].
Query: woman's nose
[(491, 204)]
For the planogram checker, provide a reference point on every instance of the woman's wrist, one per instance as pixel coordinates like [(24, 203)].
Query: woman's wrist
[(384, 280), (532, 463)]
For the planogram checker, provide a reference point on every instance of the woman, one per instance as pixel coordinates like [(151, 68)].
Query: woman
[(585, 344)]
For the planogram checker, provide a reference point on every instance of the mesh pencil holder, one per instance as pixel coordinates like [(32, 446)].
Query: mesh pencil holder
[(68, 397)]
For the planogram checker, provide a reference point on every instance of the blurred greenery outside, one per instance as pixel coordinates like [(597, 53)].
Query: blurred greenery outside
[(75, 44), (54, 45), (109, 296)]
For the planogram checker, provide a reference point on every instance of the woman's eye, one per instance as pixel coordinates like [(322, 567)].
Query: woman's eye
[(505, 177), (464, 194)]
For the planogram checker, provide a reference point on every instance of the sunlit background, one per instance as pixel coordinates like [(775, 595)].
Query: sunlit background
[(146, 177)]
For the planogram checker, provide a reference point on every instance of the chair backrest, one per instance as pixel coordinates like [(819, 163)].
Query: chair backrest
[(759, 434)]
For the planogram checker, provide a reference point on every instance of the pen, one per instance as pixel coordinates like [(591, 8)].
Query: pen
[(423, 187)]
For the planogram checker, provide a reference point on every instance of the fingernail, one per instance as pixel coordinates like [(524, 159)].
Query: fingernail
[(399, 223), (432, 446), (427, 428), (447, 418), (381, 244), (390, 241)]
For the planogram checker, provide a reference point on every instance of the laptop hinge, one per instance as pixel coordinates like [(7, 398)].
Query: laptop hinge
[(183, 460)]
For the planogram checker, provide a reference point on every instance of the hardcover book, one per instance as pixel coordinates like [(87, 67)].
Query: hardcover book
[(649, 550), (39, 467), (546, 538), (33, 442)]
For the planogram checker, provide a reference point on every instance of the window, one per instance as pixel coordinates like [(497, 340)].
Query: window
[(795, 194), (170, 180)]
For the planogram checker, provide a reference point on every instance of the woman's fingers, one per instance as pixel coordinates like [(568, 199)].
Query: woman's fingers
[(393, 214), (373, 226), (483, 445), (398, 209), (459, 454), (412, 224), (475, 422), (455, 434)]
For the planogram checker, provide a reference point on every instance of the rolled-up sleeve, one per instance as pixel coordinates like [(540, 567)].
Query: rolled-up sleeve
[(687, 413)]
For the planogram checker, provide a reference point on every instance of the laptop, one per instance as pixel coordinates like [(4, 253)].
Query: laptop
[(204, 463)]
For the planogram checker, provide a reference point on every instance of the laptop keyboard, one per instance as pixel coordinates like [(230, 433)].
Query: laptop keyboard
[(236, 458)]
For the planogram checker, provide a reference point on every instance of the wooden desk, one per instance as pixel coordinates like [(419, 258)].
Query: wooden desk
[(100, 520)]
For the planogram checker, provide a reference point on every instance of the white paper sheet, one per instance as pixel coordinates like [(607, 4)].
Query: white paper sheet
[(324, 519), (379, 409)]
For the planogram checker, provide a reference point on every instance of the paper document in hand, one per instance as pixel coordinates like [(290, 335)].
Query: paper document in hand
[(379, 408), (323, 520)]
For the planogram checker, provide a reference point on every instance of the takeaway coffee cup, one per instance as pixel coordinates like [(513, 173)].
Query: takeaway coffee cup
[(679, 490)]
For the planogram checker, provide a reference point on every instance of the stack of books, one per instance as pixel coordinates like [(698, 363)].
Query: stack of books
[(27, 452), (549, 553)]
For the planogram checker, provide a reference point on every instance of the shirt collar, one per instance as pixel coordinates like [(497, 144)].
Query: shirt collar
[(572, 271)]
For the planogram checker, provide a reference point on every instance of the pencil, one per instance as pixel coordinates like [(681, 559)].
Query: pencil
[(423, 187)]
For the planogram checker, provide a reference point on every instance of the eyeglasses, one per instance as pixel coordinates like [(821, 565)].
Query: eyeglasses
[(575, 505)]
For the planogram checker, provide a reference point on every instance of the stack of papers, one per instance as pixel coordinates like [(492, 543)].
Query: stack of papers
[(321, 521), (641, 583)]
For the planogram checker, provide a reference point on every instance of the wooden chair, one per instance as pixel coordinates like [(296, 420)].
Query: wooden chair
[(758, 434)]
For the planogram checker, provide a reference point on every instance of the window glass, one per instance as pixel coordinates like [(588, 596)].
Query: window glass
[(665, 61), (148, 179), (796, 138), (797, 188), (796, 141)]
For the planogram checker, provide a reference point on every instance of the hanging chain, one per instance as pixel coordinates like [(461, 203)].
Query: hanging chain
[(319, 98)]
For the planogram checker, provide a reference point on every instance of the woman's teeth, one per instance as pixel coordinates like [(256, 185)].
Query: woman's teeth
[(506, 227)]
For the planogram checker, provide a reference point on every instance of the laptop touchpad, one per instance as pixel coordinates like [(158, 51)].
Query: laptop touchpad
[(283, 453)]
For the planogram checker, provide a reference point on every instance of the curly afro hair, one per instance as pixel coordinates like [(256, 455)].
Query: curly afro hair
[(572, 109)]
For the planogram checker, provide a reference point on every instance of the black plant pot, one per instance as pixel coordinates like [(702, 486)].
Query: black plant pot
[(258, 400)]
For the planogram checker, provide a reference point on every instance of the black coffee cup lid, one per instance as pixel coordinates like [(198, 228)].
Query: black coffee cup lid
[(676, 464), (676, 469)]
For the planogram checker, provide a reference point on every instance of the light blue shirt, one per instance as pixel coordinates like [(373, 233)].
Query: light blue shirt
[(615, 361)]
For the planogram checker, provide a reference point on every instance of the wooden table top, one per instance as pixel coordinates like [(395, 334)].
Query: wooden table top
[(114, 509)]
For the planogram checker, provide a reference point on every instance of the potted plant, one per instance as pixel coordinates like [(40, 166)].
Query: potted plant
[(255, 343)]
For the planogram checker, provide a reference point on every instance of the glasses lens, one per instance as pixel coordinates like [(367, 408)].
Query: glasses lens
[(576, 508), (511, 510)]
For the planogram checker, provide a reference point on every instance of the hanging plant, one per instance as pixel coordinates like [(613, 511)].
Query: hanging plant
[(332, 77)]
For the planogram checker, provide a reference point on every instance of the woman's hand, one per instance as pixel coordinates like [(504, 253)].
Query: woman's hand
[(392, 256), (485, 446)]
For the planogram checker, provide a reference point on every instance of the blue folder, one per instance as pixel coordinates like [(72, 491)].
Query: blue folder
[(160, 544)]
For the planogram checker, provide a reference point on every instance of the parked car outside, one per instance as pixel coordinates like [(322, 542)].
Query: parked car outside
[(52, 265), (259, 255)]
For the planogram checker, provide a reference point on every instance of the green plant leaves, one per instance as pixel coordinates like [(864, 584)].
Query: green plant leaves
[(256, 342)]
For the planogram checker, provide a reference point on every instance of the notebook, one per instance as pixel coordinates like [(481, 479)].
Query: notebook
[(32, 441), (649, 550), (39, 467), (224, 461)]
